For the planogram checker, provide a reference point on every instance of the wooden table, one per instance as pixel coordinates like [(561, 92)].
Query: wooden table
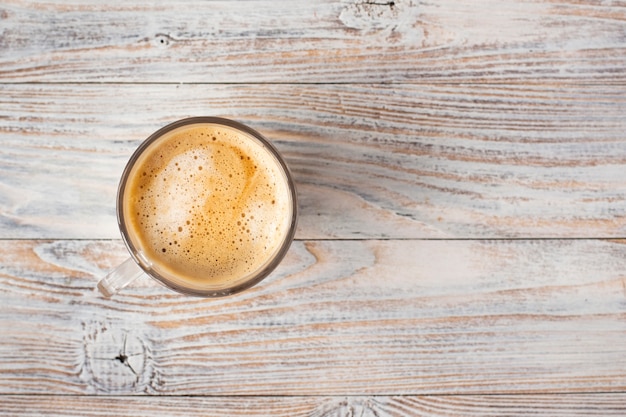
[(461, 169)]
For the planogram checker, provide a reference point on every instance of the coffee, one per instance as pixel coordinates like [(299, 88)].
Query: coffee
[(207, 206)]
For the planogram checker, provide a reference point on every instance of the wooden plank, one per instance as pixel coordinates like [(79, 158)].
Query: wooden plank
[(336, 318), (601, 404), (418, 161), (313, 41)]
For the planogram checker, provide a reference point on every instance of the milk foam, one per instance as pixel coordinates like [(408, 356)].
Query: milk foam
[(207, 204)]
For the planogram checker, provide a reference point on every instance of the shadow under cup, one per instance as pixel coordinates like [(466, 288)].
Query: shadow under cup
[(206, 206)]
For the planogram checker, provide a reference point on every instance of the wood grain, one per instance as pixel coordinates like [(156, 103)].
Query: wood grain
[(467, 405), (336, 318), (417, 161), (460, 167), (307, 41)]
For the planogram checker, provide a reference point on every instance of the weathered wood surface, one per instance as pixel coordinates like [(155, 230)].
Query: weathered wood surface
[(337, 318), (370, 161), (446, 41), (602, 405), (415, 131)]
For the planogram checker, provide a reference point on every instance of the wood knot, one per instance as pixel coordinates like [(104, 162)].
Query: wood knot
[(164, 39), (116, 359), (349, 407), (375, 14), (392, 22)]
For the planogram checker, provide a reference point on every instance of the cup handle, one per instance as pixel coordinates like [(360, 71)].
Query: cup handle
[(119, 277)]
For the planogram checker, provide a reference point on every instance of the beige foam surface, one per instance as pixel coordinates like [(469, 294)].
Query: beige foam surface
[(207, 205)]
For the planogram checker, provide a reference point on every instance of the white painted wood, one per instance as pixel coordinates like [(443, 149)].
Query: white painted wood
[(313, 41), (605, 404), (336, 318), (402, 121), (370, 161)]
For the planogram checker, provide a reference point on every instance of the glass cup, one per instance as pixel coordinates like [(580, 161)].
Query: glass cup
[(197, 248)]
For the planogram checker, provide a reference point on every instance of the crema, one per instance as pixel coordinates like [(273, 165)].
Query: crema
[(207, 205)]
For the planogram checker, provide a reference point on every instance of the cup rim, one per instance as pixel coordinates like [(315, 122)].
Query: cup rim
[(256, 277)]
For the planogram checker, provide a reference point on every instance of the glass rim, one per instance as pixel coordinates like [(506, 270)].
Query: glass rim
[(256, 276)]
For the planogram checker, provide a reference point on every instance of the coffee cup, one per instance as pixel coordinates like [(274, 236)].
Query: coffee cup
[(206, 206)]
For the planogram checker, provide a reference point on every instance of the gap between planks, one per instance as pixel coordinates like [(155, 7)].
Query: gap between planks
[(555, 83)]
